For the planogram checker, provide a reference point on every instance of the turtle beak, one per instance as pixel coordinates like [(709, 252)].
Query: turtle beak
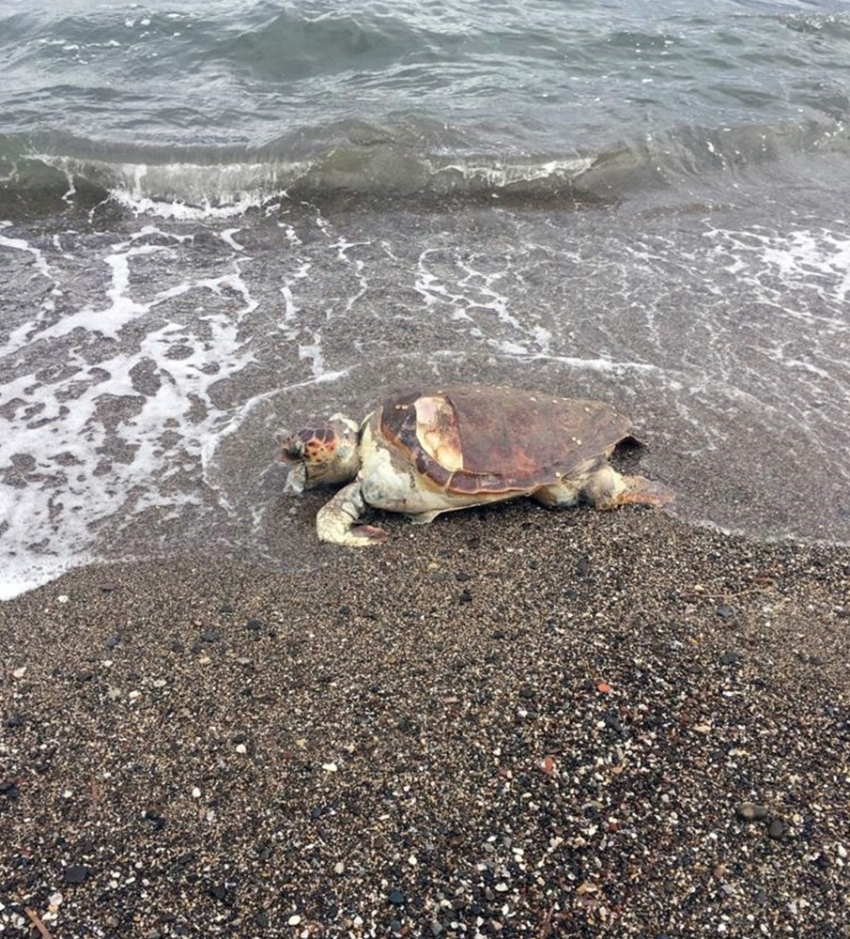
[(292, 453), (296, 479)]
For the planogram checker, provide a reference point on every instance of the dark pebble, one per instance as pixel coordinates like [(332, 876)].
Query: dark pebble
[(396, 897), (261, 919), (76, 874), (466, 597), (254, 625), (730, 658), (14, 720), (777, 829), (84, 676), (225, 608), (112, 642), (9, 789), (210, 635), (156, 820), (612, 720), (725, 612)]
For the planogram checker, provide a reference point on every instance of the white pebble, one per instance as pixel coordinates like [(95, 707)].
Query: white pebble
[(19, 672), (294, 920), (196, 793), (329, 767), (339, 867), (241, 748), (62, 598)]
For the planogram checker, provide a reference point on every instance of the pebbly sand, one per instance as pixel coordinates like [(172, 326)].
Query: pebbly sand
[(513, 722)]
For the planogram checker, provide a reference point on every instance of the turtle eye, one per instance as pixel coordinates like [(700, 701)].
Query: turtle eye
[(292, 449)]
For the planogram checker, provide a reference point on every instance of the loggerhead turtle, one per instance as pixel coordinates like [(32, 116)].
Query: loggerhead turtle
[(430, 451)]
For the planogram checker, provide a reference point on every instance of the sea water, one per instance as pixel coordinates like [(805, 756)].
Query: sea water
[(220, 220)]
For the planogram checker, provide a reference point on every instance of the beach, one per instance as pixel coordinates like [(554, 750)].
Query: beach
[(222, 223), (512, 722)]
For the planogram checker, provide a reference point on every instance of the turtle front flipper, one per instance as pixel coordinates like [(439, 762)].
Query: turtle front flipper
[(336, 521)]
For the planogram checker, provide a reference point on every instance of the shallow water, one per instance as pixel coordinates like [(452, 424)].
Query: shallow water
[(685, 255)]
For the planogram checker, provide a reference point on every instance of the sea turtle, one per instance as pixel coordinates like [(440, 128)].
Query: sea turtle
[(427, 451)]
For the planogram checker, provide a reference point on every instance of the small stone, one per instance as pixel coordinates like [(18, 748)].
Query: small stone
[(82, 677), (330, 767), (777, 829), (113, 642), (211, 635), (254, 625), (466, 596), (76, 874), (501, 887), (436, 928), (294, 920), (725, 612), (396, 897), (19, 672), (339, 867), (9, 789), (730, 658), (751, 812), (14, 720)]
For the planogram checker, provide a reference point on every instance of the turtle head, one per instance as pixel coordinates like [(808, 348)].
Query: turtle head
[(324, 455)]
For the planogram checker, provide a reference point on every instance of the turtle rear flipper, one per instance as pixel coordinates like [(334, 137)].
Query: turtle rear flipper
[(632, 490)]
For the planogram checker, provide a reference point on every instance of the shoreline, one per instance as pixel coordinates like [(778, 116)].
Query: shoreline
[(512, 722)]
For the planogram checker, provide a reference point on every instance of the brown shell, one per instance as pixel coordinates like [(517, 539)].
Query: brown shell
[(480, 439)]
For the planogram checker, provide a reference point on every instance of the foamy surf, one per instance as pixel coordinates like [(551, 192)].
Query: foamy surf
[(149, 371)]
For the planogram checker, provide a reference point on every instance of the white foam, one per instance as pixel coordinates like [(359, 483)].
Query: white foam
[(94, 445)]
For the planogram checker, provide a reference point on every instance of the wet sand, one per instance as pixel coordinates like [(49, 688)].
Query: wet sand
[(513, 722)]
